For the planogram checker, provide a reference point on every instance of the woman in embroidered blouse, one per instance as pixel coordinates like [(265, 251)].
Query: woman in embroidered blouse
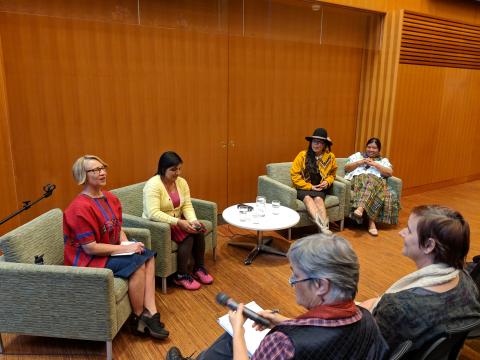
[(92, 232), (414, 308), (371, 196), (313, 173), (166, 198)]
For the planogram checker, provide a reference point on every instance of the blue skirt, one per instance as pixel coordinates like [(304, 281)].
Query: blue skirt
[(125, 266)]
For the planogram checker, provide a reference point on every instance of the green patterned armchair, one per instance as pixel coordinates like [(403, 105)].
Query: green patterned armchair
[(393, 182), (277, 185), (55, 300), (131, 198)]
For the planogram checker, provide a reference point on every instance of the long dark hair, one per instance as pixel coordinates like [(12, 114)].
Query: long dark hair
[(167, 160), (311, 163)]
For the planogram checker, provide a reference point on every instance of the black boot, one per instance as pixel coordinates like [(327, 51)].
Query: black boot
[(152, 326)]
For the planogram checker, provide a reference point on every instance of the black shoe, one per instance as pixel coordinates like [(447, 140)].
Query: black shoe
[(175, 354), (152, 326)]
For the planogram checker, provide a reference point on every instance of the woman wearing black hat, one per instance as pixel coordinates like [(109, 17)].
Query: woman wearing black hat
[(313, 172)]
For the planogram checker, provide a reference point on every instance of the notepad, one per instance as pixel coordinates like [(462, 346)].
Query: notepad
[(125, 253), (253, 338)]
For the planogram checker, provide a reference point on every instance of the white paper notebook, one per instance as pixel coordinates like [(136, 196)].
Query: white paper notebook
[(253, 338), (125, 253)]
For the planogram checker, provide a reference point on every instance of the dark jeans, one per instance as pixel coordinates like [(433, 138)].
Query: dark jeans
[(193, 244)]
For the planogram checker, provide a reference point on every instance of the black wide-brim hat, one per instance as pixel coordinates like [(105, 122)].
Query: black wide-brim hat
[(320, 134)]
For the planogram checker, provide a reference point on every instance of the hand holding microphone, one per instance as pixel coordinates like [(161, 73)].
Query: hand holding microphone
[(227, 301)]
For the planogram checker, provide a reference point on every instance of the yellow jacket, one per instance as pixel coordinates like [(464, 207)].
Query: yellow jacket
[(157, 205), (327, 166)]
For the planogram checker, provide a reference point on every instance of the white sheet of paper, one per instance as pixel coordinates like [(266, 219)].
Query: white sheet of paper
[(253, 338), (125, 253)]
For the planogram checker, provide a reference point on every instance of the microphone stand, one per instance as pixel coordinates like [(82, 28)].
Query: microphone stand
[(48, 190)]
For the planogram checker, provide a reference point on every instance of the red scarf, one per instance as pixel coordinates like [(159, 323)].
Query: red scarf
[(331, 312)]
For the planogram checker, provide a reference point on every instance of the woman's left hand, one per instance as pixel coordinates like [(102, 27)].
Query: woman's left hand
[(237, 319)]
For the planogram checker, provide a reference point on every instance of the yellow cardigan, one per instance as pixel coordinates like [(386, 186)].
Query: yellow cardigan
[(327, 166), (157, 205)]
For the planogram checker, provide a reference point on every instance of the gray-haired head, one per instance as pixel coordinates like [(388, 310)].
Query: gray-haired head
[(329, 257)]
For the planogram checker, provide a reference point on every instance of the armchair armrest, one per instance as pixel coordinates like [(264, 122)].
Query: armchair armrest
[(206, 210), (396, 184), (339, 189), (275, 190), (38, 300), (142, 235), (348, 195)]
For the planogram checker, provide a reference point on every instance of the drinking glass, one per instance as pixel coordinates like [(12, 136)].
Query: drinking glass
[(275, 207), (243, 212), (261, 205)]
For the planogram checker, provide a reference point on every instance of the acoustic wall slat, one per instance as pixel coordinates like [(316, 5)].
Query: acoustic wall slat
[(425, 45), (432, 41)]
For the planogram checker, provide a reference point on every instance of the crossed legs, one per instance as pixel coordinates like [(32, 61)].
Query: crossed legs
[(317, 211)]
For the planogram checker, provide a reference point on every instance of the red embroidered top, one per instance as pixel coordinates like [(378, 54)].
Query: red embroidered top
[(89, 219)]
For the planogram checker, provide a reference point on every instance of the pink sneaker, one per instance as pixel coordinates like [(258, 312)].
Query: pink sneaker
[(187, 281), (203, 276)]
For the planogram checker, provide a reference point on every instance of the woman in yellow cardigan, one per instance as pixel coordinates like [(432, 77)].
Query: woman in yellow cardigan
[(166, 198), (313, 172)]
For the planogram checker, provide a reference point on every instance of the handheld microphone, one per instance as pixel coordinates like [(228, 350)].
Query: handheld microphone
[(225, 300)]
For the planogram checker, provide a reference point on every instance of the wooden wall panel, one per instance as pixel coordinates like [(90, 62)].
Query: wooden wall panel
[(436, 129), (377, 94), (9, 202), (281, 90), (123, 92)]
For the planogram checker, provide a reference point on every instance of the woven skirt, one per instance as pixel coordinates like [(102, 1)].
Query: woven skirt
[(378, 200)]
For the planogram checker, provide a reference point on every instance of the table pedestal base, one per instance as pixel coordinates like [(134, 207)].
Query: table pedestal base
[(262, 245)]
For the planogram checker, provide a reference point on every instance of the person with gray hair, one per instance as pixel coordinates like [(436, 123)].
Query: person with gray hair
[(325, 274)]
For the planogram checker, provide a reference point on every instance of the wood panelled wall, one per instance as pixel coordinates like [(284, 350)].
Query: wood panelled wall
[(426, 116), (230, 92), (7, 180), (128, 79)]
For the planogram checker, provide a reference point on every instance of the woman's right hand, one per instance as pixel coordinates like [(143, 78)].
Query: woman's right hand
[(186, 226), (136, 247)]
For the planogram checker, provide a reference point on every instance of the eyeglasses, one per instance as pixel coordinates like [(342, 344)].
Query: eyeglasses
[(317, 142), (97, 170), (292, 281)]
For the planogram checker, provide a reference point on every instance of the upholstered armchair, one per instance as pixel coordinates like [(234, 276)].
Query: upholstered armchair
[(131, 198), (277, 185), (393, 182), (55, 300)]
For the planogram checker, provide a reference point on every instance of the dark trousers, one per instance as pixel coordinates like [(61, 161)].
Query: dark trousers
[(221, 349), (193, 244)]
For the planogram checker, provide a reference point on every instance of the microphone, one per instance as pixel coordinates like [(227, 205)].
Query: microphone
[(225, 300), (48, 189)]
